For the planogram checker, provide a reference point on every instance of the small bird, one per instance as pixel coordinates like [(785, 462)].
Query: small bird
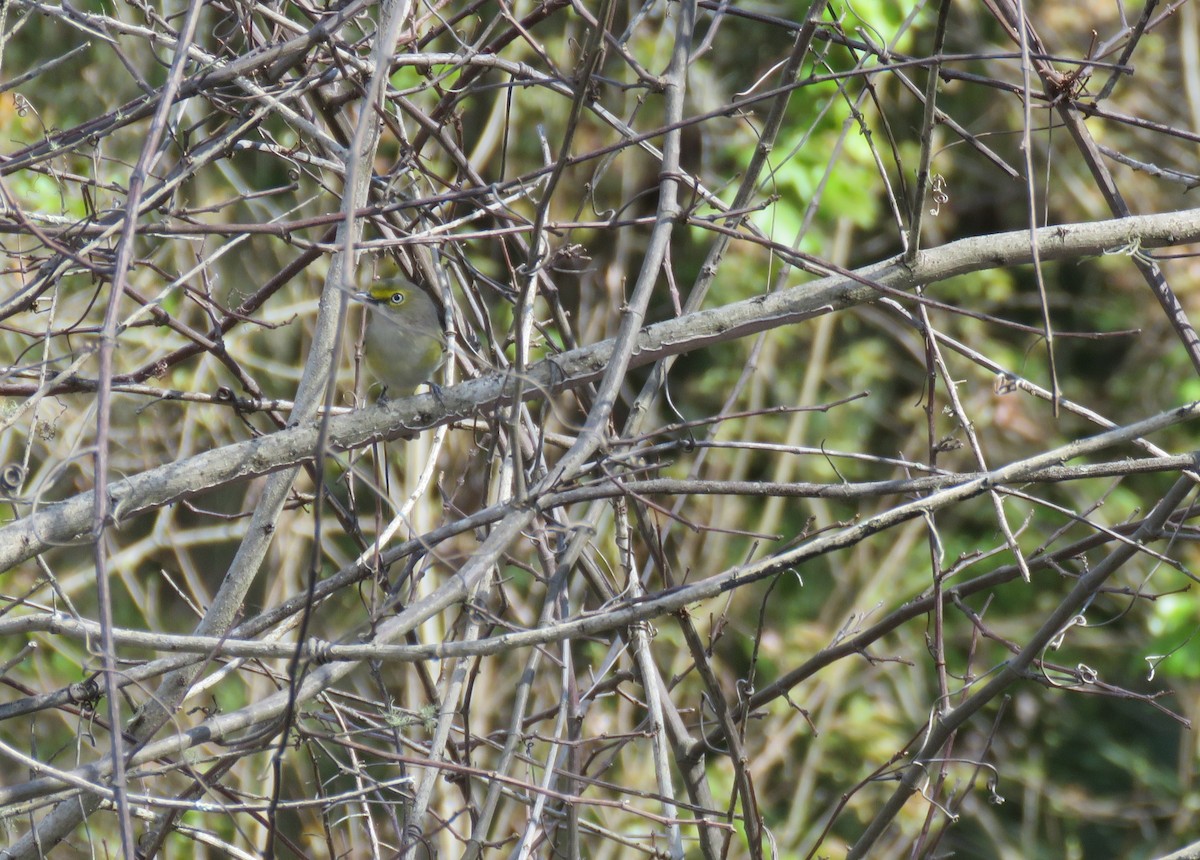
[(405, 340)]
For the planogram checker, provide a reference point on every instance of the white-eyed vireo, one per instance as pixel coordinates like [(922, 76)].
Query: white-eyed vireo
[(405, 340)]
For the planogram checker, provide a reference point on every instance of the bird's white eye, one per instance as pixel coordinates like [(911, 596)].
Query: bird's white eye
[(397, 298)]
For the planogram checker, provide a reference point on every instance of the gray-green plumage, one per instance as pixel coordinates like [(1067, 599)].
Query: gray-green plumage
[(405, 341)]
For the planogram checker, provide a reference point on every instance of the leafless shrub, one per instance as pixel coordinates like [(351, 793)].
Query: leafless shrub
[(810, 436)]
